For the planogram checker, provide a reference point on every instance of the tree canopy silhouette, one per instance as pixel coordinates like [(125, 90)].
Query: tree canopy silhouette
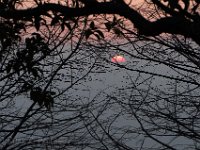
[(180, 17), (61, 89)]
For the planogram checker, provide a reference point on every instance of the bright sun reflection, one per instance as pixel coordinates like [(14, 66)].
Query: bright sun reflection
[(118, 59)]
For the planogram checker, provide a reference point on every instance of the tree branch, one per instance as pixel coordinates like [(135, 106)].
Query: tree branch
[(173, 25)]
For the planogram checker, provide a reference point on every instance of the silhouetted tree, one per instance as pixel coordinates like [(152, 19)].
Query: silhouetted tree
[(59, 89)]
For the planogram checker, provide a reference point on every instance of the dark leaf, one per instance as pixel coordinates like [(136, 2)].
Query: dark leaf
[(26, 87), (92, 25), (100, 33), (8, 67), (68, 26), (73, 19), (28, 42), (37, 22), (88, 32), (40, 101), (29, 58), (48, 102), (97, 35), (117, 31), (62, 26), (16, 67), (55, 20), (33, 96), (47, 105), (37, 96), (35, 72), (38, 36), (114, 19), (108, 26), (20, 26)]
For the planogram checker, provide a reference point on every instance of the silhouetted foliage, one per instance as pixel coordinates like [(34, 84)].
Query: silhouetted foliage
[(60, 90)]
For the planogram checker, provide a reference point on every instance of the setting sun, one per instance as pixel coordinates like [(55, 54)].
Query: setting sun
[(118, 59)]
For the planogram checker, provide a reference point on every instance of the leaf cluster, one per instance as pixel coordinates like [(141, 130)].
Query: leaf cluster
[(93, 30), (63, 21), (112, 25), (43, 98), (26, 59), (9, 33)]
